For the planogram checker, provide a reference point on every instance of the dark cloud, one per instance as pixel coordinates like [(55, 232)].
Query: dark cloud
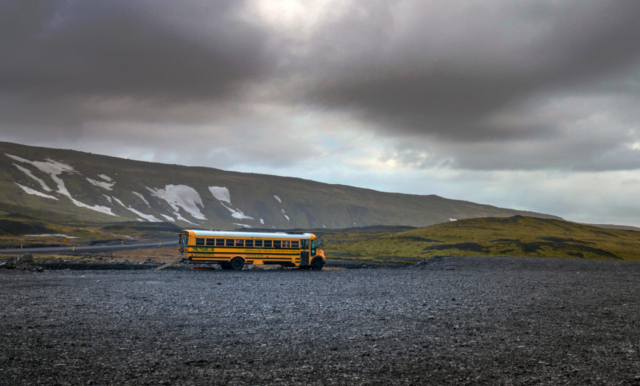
[(451, 69), (145, 49), (477, 85), (68, 63)]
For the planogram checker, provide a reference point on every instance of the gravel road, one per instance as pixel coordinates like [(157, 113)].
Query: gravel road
[(83, 249), (453, 321)]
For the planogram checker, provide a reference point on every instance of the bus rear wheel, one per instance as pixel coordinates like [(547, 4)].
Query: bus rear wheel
[(237, 263), (317, 264)]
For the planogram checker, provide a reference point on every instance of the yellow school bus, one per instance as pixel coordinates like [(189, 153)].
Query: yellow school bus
[(232, 250)]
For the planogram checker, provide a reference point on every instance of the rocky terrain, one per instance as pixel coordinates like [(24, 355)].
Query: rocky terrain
[(457, 321), (141, 259)]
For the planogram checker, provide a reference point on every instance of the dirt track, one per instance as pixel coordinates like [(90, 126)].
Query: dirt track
[(456, 321)]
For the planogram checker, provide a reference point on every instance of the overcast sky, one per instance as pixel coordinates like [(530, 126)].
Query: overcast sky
[(530, 105)]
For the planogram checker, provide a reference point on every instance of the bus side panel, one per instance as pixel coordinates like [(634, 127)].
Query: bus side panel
[(206, 254)]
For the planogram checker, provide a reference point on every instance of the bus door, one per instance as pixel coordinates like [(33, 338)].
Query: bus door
[(304, 254), (183, 244)]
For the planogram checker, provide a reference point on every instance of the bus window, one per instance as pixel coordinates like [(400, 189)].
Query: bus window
[(295, 244), (286, 244), (267, 243), (199, 241), (258, 243), (305, 244), (219, 242), (211, 242), (313, 247), (248, 243), (229, 243), (277, 244), (239, 243)]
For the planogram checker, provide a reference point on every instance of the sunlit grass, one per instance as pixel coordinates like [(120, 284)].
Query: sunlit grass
[(515, 236)]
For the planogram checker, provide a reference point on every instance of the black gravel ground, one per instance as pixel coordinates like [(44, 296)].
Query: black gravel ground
[(453, 321)]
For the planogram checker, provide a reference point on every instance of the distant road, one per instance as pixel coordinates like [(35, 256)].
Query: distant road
[(93, 248)]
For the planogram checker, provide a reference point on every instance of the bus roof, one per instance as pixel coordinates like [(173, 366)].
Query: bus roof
[(264, 235)]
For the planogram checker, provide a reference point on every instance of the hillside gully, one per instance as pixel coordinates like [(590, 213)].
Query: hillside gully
[(451, 321)]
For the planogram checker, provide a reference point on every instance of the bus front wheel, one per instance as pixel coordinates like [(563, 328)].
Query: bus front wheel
[(317, 264), (237, 263)]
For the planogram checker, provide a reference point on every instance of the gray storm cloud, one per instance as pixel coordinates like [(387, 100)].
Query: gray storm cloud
[(486, 73), (475, 85), (139, 49), (66, 63)]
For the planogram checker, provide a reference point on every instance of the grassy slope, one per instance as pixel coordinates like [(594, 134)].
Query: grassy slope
[(514, 236), (308, 204), (82, 233)]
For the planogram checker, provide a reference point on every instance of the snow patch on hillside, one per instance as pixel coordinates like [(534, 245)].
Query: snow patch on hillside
[(262, 221), (453, 219), (51, 167), (54, 169), (283, 213), (277, 198), (97, 208), (105, 177), (180, 218), (142, 198), (242, 225), (237, 213), (108, 198), (180, 196), (169, 218), (35, 192), (287, 217), (29, 174), (148, 217), (100, 184), (19, 159), (221, 193)]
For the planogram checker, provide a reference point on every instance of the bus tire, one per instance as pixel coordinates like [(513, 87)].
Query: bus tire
[(317, 264), (237, 263)]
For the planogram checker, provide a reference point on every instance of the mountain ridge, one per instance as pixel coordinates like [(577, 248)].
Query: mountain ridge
[(81, 186)]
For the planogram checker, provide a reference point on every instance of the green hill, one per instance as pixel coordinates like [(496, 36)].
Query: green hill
[(513, 236), (58, 186)]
